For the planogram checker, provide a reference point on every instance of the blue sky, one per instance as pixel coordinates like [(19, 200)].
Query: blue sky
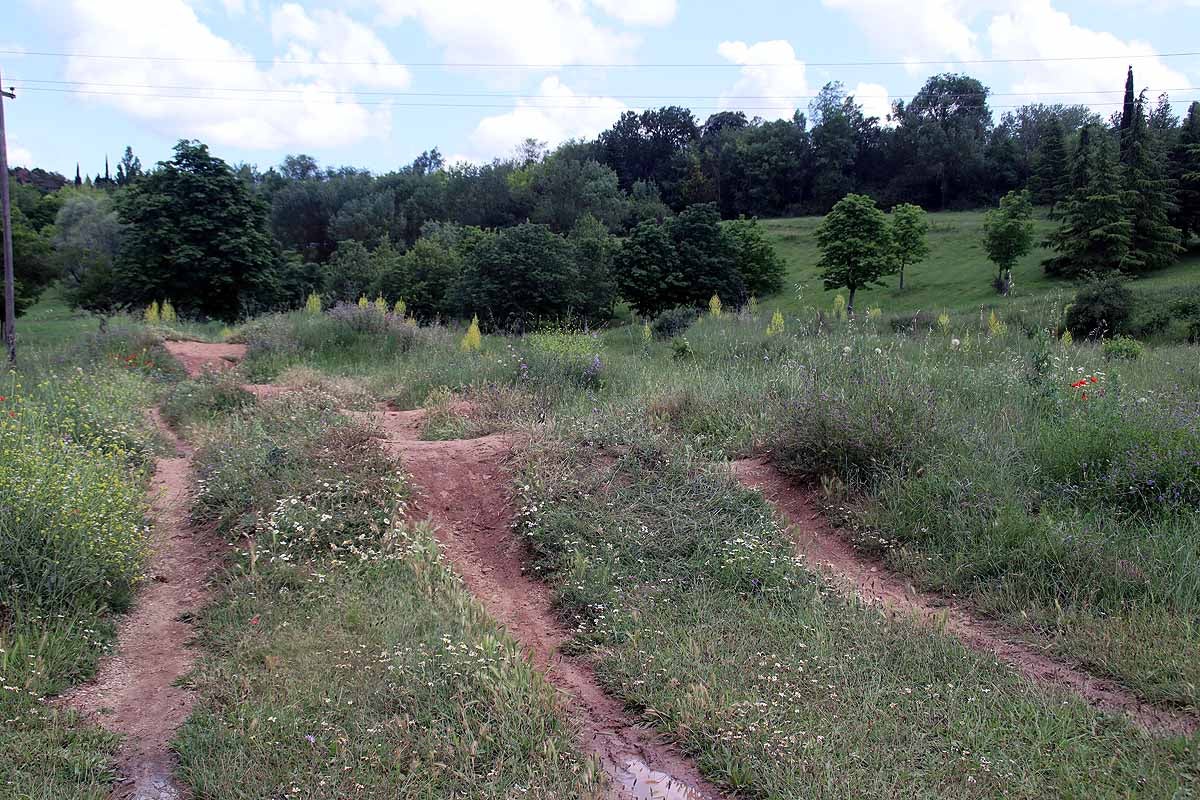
[(372, 83)]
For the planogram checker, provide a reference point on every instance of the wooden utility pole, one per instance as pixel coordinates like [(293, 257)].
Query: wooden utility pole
[(10, 306)]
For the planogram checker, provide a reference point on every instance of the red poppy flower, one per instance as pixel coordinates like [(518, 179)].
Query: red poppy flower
[(1095, 379)]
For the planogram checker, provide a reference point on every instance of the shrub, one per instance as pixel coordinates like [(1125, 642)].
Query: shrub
[(1101, 308), (917, 322), (673, 322), (1123, 348), (204, 398)]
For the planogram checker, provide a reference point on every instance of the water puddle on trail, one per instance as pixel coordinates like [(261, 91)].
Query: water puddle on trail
[(639, 782)]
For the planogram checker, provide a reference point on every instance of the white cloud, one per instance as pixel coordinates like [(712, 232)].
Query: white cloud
[(19, 156), (874, 99), (917, 29), (557, 114), (326, 41), (639, 12), (776, 90), (514, 31), (1034, 29), (285, 106)]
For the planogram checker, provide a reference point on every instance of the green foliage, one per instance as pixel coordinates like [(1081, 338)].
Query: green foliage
[(1050, 180), (856, 245), (1101, 308), (196, 234), (352, 272), (87, 235), (1123, 348), (33, 263), (424, 278), (1185, 170), (909, 228), (1154, 242), (758, 264), (1008, 235), (204, 399), (673, 322)]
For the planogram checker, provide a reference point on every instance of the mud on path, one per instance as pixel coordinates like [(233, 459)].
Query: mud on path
[(855, 573), (134, 692), (462, 486)]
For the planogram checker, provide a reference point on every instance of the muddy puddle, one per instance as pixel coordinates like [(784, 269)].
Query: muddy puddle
[(638, 782)]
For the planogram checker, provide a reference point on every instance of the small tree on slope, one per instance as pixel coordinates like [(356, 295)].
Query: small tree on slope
[(909, 228), (1008, 235), (856, 246)]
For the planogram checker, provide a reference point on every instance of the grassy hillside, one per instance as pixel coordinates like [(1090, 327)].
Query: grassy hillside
[(957, 275)]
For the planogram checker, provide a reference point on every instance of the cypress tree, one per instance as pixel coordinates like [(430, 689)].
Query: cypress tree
[(1155, 242), (1094, 234), (1185, 171), (1049, 183), (1127, 113)]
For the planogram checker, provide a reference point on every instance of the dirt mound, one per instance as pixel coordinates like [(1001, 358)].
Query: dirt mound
[(867, 578), (463, 487), (134, 692), (198, 357)]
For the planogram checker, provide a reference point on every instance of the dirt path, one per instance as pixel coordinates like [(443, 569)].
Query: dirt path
[(198, 357), (462, 486), (134, 692), (858, 574)]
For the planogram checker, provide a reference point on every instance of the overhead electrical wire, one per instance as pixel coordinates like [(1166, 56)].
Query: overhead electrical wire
[(693, 65)]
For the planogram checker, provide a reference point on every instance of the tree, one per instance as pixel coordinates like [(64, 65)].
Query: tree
[(1102, 307), (1154, 241), (1094, 232), (1129, 111), (352, 272), (1008, 235), (1049, 183), (648, 272), (909, 228), (521, 275), (130, 168), (87, 235), (196, 235), (761, 268), (1185, 171), (33, 266), (424, 279), (594, 251), (856, 246)]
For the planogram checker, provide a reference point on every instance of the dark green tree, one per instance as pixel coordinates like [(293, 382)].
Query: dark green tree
[(1008, 235), (1185, 170), (424, 279), (1154, 242), (130, 168), (648, 271), (1094, 232), (761, 268), (1050, 181), (856, 246), (909, 227), (1128, 112), (33, 263), (196, 235), (595, 250)]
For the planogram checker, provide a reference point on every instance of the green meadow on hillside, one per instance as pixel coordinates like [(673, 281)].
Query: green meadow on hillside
[(957, 276)]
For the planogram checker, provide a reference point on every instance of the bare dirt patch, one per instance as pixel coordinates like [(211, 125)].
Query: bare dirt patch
[(857, 574), (463, 487), (198, 357), (134, 692)]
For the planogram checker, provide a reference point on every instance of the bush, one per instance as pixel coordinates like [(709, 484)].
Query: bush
[(1101, 308), (204, 398), (1123, 348), (673, 322), (918, 322)]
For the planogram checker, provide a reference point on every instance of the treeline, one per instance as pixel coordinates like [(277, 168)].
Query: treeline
[(265, 239)]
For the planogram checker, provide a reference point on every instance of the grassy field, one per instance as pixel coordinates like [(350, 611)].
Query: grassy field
[(957, 276)]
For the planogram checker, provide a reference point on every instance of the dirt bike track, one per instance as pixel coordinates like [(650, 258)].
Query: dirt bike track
[(464, 488)]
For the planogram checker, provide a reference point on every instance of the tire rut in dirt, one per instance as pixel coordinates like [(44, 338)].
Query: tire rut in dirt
[(463, 487), (134, 692), (867, 578)]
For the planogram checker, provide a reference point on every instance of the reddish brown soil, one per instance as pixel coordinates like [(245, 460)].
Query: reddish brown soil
[(198, 357), (867, 578), (462, 487), (134, 692)]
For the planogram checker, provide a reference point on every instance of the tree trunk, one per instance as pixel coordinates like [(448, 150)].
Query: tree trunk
[(901, 277), (850, 302)]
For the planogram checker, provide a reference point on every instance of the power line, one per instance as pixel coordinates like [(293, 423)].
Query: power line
[(25, 84), (694, 65), (391, 104)]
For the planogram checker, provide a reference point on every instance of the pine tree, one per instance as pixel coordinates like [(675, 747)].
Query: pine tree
[(78, 179), (1185, 171), (1155, 242), (1049, 182), (1094, 234)]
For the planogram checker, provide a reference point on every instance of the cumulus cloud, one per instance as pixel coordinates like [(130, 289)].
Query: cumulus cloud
[(639, 12), (917, 29), (874, 99), (1035, 29), (515, 31), (284, 106), (557, 114), (19, 156), (775, 90)]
